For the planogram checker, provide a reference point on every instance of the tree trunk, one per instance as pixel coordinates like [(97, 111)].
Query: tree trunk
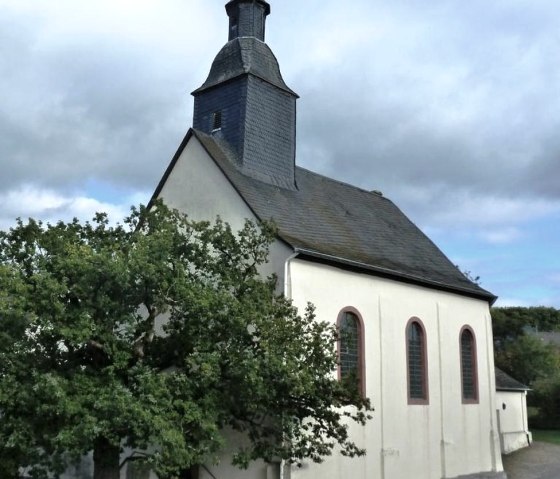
[(106, 459)]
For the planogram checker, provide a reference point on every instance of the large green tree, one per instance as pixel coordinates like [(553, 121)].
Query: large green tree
[(158, 334)]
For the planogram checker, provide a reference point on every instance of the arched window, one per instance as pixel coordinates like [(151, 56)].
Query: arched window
[(417, 363), (350, 350), (469, 369)]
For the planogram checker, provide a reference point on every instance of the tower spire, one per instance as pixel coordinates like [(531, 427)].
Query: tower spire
[(245, 101), (247, 18)]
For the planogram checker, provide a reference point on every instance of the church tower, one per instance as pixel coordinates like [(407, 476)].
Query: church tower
[(246, 102)]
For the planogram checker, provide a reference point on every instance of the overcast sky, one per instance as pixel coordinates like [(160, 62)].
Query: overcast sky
[(451, 108)]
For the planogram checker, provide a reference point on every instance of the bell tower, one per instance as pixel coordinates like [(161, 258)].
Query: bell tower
[(246, 102)]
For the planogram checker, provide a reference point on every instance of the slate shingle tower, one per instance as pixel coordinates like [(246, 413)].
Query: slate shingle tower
[(246, 102)]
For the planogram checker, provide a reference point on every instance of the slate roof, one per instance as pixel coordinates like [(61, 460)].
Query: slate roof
[(330, 221), (246, 55), (504, 382)]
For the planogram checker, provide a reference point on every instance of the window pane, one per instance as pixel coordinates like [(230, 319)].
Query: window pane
[(416, 362), (467, 365), (349, 346)]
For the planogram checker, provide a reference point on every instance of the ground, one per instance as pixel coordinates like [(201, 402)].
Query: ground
[(540, 461)]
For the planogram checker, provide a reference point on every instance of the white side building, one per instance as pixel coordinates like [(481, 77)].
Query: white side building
[(511, 406)]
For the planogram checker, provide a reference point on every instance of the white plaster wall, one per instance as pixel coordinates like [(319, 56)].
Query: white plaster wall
[(222, 468), (512, 416), (198, 188), (84, 470), (444, 439)]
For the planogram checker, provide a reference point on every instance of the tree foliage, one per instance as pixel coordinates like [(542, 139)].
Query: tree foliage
[(512, 322), (520, 352), (546, 397), (158, 334), (527, 359)]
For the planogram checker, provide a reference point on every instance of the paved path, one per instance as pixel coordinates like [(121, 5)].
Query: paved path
[(540, 461)]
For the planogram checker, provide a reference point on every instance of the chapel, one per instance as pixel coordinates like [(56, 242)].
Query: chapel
[(423, 349)]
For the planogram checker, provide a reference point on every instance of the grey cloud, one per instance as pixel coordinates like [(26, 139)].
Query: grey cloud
[(447, 97), (544, 174), (466, 97), (449, 108), (84, 111)]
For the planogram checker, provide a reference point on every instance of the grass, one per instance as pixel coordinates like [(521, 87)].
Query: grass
[(551, 436)]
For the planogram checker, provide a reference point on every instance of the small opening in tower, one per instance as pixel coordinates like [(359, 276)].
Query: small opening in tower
[(217, 121), (233, 27)]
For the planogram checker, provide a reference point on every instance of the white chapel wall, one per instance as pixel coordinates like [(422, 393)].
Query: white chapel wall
[(198, 188), (442, 440), (222, 467), (445, 439)]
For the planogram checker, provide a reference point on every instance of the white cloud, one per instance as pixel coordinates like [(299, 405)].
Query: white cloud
[(501, 236), (67, 21), (51, 206)]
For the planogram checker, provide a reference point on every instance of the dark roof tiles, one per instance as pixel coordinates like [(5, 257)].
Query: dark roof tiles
[(332, 220), (504, 382)]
